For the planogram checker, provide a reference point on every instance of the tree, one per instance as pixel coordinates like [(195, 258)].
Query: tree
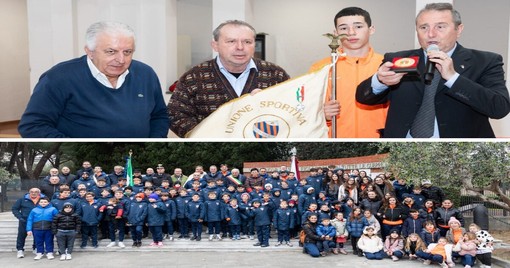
[(476, 167), (31, 158)]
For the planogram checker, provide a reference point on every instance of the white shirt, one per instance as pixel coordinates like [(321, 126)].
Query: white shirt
[(101, 77), (237, 83)]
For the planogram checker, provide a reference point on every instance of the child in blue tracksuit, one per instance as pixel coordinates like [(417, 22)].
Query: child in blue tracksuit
[(195, 213), (136, 216), (170, 215), (156, 211), (283, 221), (412, 224), (181, 203), (213, 215), (247, 227), (233, 217), (90, 218), (39, 224), (327, 232), (262, 222)]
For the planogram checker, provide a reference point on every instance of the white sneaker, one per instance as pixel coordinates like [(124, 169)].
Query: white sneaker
[(252, 237), (426, 262), (50, 256), (20, 254), (38, 256), (218, 236), (467, 266), (112, 244), (63, 257), (211, 237), (69, 257), (121, 244), (171, 238)]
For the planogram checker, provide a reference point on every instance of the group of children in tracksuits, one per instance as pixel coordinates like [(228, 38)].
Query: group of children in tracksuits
[(225, 210)]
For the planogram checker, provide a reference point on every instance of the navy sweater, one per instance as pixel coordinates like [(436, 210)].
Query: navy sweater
[(69, 102)]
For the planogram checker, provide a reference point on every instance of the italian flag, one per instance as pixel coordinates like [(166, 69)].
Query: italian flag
[(129, 171)]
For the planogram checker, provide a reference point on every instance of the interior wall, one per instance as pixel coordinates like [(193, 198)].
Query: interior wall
[(14, 67), (296, 27), (194, 19)]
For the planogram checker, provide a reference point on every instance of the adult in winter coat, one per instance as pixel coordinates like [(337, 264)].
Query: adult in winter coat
[(443, 214), (21, 209), (311, 237)]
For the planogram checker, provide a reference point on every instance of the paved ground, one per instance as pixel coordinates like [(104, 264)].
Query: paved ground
[(201, 259), (146, 259)]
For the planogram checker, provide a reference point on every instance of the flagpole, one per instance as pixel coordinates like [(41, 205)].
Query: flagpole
[(129, 169), (294, 167), (334, 56)]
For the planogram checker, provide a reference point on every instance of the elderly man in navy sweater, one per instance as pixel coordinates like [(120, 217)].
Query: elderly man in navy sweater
[(103, 94)]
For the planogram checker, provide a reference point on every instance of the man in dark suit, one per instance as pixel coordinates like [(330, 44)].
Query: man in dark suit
[(471, 88)]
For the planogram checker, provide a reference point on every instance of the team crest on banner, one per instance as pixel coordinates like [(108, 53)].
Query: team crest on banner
[(265, 129), (292, 109)]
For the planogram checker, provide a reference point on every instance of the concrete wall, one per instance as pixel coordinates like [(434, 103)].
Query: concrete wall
[(14, 69)]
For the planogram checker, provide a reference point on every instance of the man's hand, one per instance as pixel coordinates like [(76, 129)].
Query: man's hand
[(331, 109), (444, 64), (388, 77)]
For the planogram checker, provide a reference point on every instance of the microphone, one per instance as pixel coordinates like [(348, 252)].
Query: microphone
[(430, 67)]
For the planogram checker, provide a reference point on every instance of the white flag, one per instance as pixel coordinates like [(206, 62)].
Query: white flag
[(292, 109)]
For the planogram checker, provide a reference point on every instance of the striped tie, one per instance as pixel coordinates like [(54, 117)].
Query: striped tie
[(423, 125)]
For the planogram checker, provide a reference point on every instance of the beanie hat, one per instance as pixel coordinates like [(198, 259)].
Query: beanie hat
[(424, 182), (395, 230), (141, 195), (453, 219), (292, 202), (268, 185), (67, 204), (154, 196)]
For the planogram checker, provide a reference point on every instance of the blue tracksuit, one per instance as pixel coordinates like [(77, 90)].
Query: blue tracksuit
[(181, 202), (39, 222), (234, 220), (195, 211), (214, 213), (156, 219), (170, 215), (136, 217), (283, 221), (315, 182), (59, 203), (262, 222), (412, 226), (305, 200), (285, 194)]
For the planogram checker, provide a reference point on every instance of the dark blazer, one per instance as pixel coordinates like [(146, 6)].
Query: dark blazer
[(462, 111)]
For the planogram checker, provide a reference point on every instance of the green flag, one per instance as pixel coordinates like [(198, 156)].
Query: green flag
[(129, 171)]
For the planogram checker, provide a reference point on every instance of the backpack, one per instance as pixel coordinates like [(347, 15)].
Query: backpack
[(302, 236)]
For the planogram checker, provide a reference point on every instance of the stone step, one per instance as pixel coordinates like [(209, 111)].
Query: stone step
[(225, 245)]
